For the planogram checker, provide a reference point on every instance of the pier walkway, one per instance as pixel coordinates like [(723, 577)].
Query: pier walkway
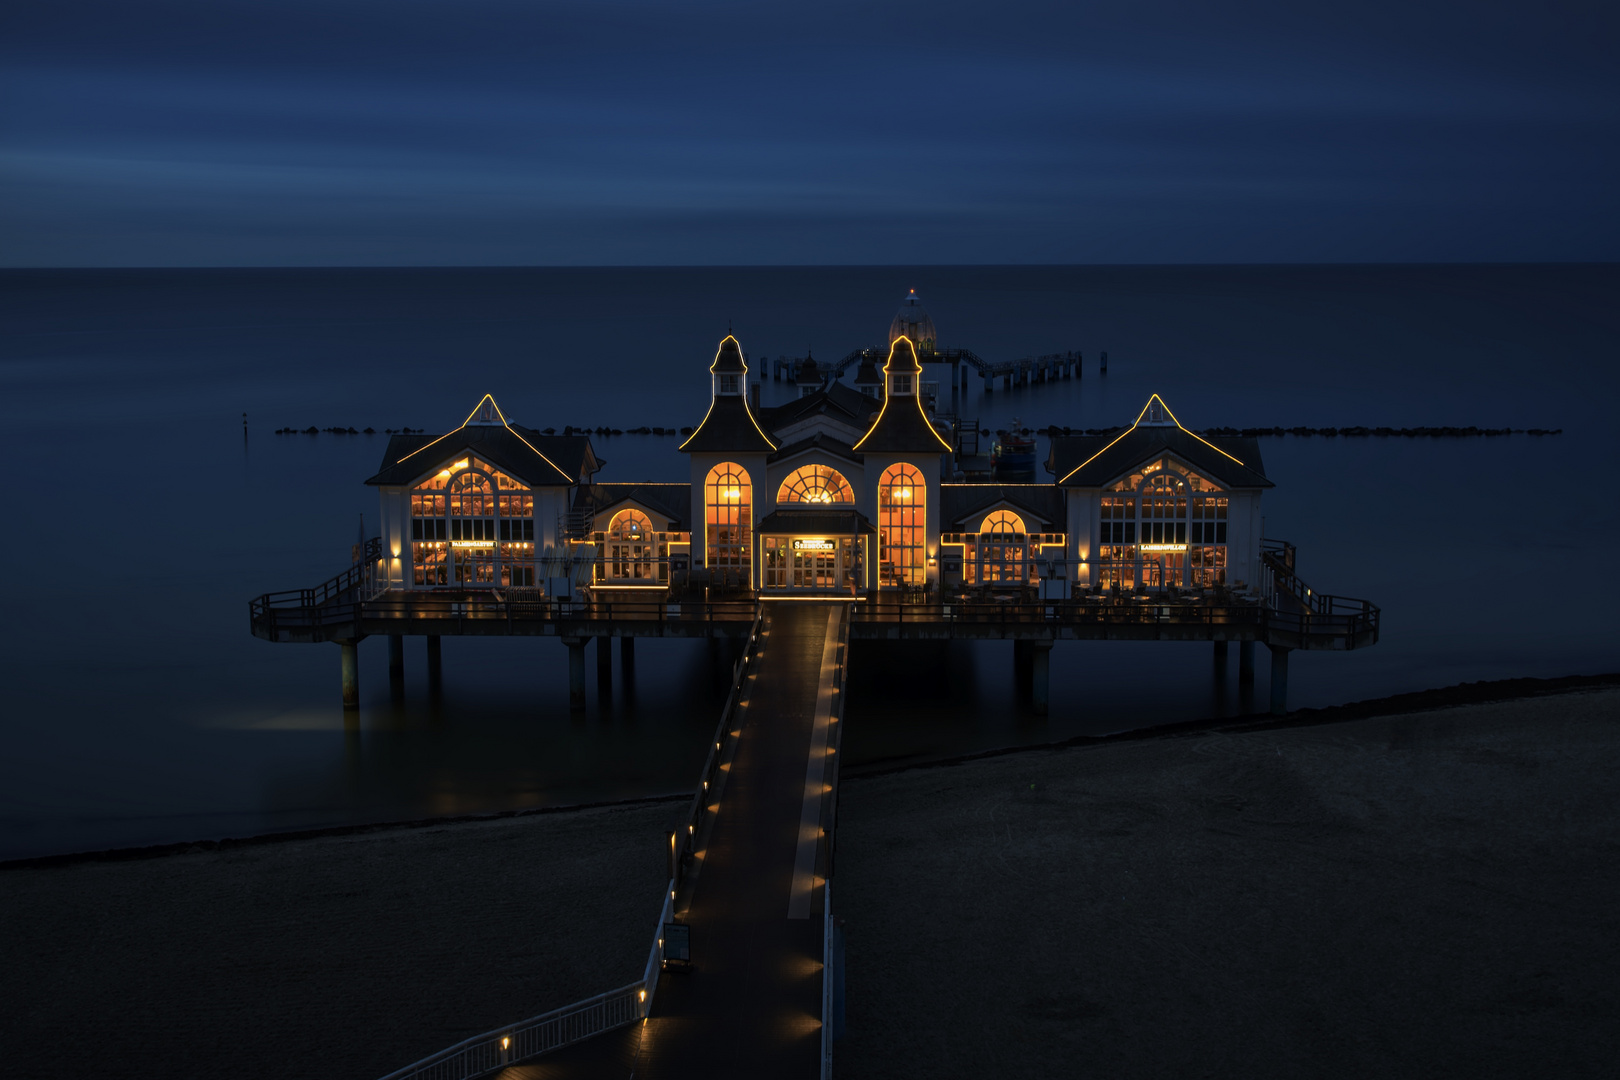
[(751, 1006)]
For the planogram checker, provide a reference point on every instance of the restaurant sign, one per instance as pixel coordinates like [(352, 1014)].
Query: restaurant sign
[(812, 545), (1164, 547)]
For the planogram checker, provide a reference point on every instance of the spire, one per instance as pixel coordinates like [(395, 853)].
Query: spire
[(729, 425), (901, 426)]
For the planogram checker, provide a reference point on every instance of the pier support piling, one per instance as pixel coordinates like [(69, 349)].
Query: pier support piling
[(1279, 679), (351, 674), (1220, 656), (435, 663), (396, 658), (604, 659), (627, 652), (1245, 661), (576, 672), (1040, 670)]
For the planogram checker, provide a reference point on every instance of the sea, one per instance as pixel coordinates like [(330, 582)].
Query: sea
[(151, 499)]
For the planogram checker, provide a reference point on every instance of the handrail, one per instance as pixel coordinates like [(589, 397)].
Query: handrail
[(722, 732), (827, 958), (549, 1031)]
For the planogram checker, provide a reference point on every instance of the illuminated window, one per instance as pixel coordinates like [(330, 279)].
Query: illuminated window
[(1003, 550), (1170, 533), (902, 526), (464, 533), (728, 518), (815, 484), (630, 547)]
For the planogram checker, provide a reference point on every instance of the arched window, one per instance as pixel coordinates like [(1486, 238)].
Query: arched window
[(902, 526), (472, 524), (815, 484), (1003, 549), (1003, 521), (728, 518), (630, 547)]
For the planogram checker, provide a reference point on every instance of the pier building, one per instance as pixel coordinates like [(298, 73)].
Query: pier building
[(1151, 532)]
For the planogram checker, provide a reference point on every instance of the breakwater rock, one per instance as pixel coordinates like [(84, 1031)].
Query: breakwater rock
[(1334, 432)]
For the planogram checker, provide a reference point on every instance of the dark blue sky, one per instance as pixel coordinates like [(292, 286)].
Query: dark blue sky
[(251, 132)]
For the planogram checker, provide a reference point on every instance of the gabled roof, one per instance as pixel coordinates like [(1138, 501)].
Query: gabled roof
[(673, 501), (835, 400), (901, 426), (818, 441), (1094, 461), (729, 427), (962, 507), (536, 459)]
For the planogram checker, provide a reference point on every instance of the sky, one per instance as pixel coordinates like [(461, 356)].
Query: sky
[(623, 132)]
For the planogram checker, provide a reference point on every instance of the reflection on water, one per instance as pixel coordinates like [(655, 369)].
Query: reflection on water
[(138, 709)]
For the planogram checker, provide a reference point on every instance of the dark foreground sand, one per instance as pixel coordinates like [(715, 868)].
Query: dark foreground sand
[(1432, 894), (338, 957), (1426, 895)]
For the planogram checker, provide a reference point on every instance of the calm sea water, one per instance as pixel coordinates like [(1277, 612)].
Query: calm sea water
[(138, 709)]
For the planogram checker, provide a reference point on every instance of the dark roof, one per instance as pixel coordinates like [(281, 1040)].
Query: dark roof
[(674, 501), (728, 359), (836, 522), (523, 452), (729, 428), (867, 373), (902, 428), (963, 506), (809, 372), (818, 441), (1094, 461), (835, 398)]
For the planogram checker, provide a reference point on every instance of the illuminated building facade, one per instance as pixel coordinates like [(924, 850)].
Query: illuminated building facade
[(836, 492), (479, 506)]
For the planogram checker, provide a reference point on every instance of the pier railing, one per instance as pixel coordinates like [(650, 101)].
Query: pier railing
[(685, 847), (483, 1054)]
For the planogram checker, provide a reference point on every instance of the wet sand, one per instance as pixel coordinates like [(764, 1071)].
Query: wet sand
[(1425, 894), (1431, 894)]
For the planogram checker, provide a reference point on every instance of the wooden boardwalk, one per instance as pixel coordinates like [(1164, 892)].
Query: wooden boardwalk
[(751, 1005)]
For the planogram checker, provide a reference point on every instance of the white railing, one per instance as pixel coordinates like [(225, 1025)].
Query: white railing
[(504, 1046), (826, 981)]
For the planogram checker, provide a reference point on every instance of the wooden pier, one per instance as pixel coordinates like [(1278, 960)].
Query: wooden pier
[(1286, 615)]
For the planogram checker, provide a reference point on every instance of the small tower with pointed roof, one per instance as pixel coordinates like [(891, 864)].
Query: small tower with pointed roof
[(809, 376), (727, 453), (867, 379)]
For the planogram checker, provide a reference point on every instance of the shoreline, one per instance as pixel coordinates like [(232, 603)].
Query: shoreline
[(1468, 693)]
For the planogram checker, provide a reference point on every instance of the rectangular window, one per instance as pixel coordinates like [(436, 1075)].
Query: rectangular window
[(728, 384)]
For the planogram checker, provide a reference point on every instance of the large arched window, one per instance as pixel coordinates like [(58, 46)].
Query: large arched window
[(472, 524), (815, 484), (630, 547), (902, 526), (728, 518)]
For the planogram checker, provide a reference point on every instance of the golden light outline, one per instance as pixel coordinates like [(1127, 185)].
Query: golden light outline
[(915, 397), (489, 398), (746, 410), (1127, 431)]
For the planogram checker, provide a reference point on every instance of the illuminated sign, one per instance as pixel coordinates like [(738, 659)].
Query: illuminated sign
[(472, 543), (812, 545), (1164, 547)]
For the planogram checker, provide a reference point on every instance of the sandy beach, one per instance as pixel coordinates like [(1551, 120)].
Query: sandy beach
[(1414, 895), (1423, 894)]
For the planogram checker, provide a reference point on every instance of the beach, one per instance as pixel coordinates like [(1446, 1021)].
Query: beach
[(1425, 893)]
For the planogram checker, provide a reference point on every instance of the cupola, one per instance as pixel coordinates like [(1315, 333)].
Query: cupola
[(912, 322)]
